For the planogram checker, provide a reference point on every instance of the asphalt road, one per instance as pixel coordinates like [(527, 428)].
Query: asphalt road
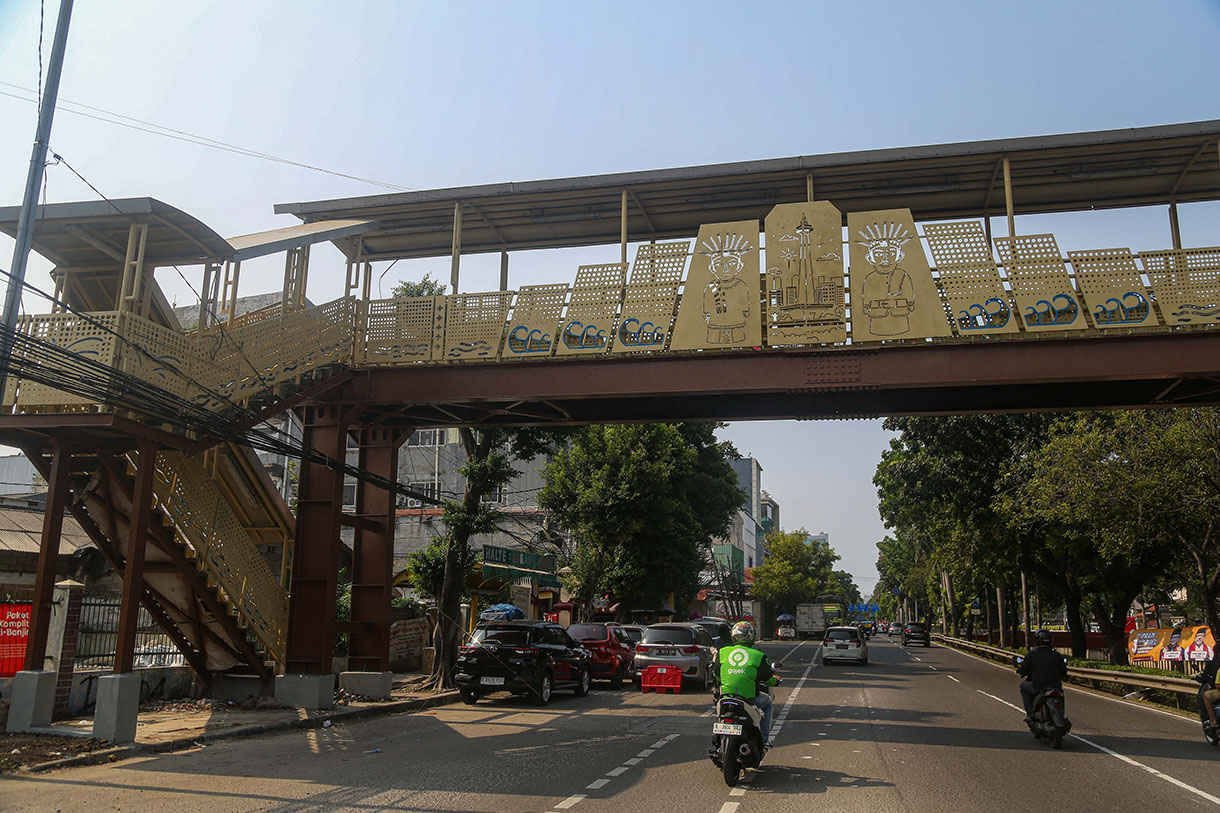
[(920, 729)]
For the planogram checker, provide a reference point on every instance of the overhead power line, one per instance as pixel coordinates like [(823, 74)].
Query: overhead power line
[(110, 117)]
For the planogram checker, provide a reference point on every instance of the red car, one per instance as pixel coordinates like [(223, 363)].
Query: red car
[(611, 651)]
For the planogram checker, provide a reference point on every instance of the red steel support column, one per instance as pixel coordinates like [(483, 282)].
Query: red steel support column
[(133, 565), (48, 556), (373, 553), (315, 567)]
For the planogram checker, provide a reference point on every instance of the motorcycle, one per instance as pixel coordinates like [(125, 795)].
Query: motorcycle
[(1211, 733), (737, 740), (1049, 719)]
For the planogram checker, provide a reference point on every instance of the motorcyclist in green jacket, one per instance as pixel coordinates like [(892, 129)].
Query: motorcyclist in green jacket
[(743, 669)]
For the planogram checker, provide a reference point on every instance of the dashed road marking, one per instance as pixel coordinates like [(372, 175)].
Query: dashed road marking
[(1171, 780), (955, 680), (568, 802), (597, 784), (730, 807), (619, 771)]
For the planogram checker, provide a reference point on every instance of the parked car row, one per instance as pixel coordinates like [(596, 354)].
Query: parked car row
[(534, 659)]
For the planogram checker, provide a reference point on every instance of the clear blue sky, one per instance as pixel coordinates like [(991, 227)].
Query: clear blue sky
[(427, 95)]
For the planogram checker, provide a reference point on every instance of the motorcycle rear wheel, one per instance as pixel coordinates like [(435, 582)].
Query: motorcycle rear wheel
[(730, 766)]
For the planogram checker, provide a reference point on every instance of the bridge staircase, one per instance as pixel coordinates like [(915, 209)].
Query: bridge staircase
[(219, 555)]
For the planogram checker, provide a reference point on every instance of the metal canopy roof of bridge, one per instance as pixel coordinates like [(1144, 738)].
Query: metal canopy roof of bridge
[(88, 234), (93, 234), (1056, 173)]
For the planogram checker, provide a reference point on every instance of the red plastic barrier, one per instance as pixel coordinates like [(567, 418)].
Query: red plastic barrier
[(661, 679)]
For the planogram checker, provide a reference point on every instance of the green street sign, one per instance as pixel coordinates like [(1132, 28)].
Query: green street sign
[(506, 563)]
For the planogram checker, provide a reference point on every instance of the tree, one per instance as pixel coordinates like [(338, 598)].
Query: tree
[(843, 584), (423, 287), (490, 454), (796, 570), (642, 503)]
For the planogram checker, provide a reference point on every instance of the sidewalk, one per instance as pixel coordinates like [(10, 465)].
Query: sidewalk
[(170, 725)]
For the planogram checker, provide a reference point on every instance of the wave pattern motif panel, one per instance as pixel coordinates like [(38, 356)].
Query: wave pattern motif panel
[(970, 279), (648, 304), (1040, 283), (588, 326), (804, 286), (399, 331), (535, 322), (1186, 284), (474, 325), (893, 295), (1112, 289), (720, 303), (72, 333)]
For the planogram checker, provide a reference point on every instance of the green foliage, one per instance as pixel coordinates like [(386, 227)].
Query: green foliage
[(427, 567), (643, 503), (424, 287), (795, 571)]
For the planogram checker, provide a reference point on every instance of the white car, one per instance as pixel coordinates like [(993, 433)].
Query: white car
[(844, 644)]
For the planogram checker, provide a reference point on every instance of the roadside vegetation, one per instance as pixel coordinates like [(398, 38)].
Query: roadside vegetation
[(1097, 510)]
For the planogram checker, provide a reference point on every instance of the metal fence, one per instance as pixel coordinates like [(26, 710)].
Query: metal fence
[(97, 641)]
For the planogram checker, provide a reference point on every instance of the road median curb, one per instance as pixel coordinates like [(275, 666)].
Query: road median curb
[(337, 715)]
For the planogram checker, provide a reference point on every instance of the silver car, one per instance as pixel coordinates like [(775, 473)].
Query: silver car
[(845, 644), (686, 646)]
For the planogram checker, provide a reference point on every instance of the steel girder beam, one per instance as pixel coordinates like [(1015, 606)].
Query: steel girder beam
[(1091, 372), (315, 567), (373, 552), (48, 555)]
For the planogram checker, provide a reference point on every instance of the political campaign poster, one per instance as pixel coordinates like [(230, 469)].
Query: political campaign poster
[(1176, 645)]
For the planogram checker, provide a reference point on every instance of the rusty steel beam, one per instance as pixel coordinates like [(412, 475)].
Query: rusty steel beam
[(373, 552), (48, 555), (133, 564), (927, 378), (315, 567)]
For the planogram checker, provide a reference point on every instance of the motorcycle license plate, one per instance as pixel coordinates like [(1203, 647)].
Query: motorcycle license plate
[(491, 681), (726, 728)]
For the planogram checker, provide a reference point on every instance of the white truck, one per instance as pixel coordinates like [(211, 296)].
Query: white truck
[(810, 621)]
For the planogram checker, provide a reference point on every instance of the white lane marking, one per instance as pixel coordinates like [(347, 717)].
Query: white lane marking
[(658, 744), (1128, 703), (617, 771), (916, 657), (955, 680), (635, 761), (930, 666), (647, 752), (1202, 794), (597, 784), (730, 807), (568, 802), (794, 649), (1171, 780)]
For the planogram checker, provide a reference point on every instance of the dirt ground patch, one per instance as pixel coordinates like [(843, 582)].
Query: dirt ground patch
[(19, 750)]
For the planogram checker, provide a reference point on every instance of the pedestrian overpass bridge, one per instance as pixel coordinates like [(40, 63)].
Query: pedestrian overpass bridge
[(851, 285)]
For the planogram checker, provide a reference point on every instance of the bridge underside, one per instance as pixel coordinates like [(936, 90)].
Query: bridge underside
[(1109, 372)]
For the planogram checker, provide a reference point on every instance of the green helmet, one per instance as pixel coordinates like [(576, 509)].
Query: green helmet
[(743, 633)]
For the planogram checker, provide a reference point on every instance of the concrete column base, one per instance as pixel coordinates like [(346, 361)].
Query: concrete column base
[(239, 688), (306, 691), (33, 699), (369, 684), (118, 706)]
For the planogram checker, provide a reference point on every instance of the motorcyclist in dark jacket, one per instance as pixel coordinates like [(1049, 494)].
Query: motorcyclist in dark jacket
[(1042, 668), (1211, 696)]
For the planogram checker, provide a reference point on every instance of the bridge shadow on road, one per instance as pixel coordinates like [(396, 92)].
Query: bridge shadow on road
[(794, 780)]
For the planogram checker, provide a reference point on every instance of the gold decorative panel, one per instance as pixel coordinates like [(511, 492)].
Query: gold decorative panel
[(720, 303), (969, 279), (70, 332), (588, 326), (228, 550), (648, 304), (474, 325), (1186, 284), (893, 295), (1110, 282), (1040, 283), (400, 331), (804, 285), (535, 321)]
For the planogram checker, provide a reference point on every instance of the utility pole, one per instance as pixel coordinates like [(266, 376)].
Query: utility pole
[(33, 181)]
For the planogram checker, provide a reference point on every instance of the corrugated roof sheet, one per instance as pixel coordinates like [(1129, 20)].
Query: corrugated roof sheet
[(21, 532)]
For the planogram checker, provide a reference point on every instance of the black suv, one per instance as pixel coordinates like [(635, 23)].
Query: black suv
[(527, 658), (916, 633)]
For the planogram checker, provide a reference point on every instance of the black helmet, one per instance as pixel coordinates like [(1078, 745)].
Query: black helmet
[(1042, 638)]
